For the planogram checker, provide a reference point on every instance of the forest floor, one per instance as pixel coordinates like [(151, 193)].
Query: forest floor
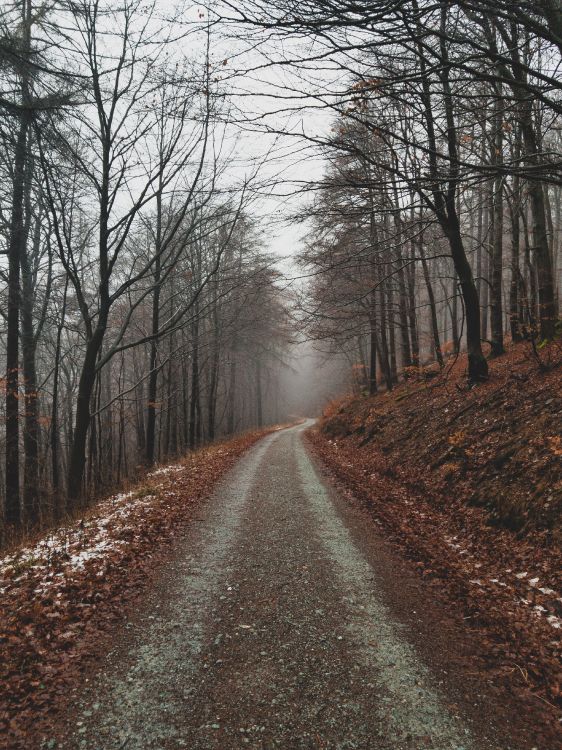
[(466, 483)]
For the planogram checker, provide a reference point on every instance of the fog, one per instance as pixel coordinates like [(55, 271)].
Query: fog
[(311, 380)]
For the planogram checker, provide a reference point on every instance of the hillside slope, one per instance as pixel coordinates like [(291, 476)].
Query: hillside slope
[(467, 482)]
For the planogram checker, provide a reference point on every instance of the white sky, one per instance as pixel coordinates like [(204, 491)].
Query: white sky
[(289, 161)]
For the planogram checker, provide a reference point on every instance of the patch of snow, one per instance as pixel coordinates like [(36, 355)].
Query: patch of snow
[(91, 553), (120, 497), (171, 469), (71, 547)]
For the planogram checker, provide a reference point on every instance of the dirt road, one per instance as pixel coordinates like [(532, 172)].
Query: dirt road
[(282, 622)]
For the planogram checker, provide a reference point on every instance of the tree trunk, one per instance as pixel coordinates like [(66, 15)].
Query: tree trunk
[(214, 368), (412, 316), (185, 402), (194, 401), (155, 325), (140, 403), (31, 425), (230, 423), (496, 259), (403, 318), (121, 448), (405, 350), (531, 283), (16, 248), (259, 402), (31, 431), (547, 310), (515, 319), (477, 365), (432, 307), (487, 249), (153, 369), (454, 319), (55, 441), (445, 207), (383, 352), (77, 459), (172, 437), (391, 332), (373, 348)]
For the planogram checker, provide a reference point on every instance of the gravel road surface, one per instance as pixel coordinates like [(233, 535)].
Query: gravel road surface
[(280, 622)]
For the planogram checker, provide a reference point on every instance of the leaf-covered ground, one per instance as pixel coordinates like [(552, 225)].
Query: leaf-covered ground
[(468, 484), (62, 595)]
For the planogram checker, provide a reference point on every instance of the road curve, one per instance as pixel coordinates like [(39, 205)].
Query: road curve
[(270, 629)]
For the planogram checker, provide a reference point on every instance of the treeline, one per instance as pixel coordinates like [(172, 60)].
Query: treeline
[(437, 225), (141, 315)]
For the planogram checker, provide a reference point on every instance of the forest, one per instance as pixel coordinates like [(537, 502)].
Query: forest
[(280, 348), (143, 312), (436, 226)]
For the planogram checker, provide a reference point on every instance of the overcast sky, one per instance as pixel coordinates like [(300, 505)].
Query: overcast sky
[(266, 98)]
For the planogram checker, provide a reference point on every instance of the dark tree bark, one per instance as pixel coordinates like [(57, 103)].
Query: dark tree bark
[(77, 458), (230, 423), (432, 307), (153, 365), (389, 295), (194, 400), (185, 402), (384, 350), (373, 346), (259, 396), (412, 315), (496, 258), (406, 354), (214, 366), (31, 432), (16, 249), (54, 432), (531, 283), (454, 319)]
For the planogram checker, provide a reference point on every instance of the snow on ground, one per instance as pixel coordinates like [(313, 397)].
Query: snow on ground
[(71, 547), (518, 580), (163, 470)]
